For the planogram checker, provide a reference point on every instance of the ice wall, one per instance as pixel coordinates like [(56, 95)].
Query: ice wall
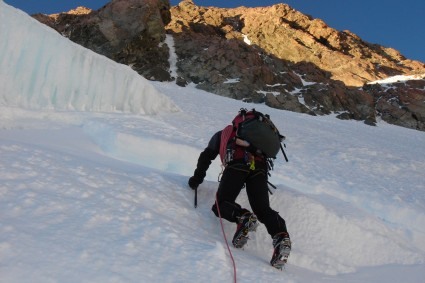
[(40, 69)]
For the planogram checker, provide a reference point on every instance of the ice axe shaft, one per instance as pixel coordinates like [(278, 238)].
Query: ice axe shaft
[(284, 154), (196, 197)]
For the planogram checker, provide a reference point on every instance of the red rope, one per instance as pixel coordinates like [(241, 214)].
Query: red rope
[(225, 239)]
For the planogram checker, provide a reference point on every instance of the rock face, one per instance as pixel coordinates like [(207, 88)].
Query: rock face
[(400, 103), (292, 36), (273, 55), (127, 31), (287, 60)]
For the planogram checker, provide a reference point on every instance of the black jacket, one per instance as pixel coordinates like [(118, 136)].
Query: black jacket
[(206, 157), (210, 153)]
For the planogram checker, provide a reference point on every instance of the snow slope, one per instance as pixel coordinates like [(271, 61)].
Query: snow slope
[(95, 192)]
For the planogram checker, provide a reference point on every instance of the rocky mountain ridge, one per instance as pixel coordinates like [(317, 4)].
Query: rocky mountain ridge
[(127, 31), (274, 55)]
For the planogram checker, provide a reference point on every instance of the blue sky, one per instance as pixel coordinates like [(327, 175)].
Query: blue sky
[(391, 23)]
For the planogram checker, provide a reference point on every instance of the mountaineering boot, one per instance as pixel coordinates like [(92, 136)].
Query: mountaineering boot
[(246, 223), (282, 249)]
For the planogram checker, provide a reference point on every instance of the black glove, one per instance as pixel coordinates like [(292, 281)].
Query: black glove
[(193, 183)]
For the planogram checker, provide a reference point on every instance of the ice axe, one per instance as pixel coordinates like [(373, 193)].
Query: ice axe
[(196, 197)]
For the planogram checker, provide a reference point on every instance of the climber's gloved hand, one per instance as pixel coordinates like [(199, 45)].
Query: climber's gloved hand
[(193, 183)]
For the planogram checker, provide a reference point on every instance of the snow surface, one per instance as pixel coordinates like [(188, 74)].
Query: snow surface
[(96, 191), (399, 78)]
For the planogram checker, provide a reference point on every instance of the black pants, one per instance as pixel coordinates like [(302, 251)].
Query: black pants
[(235, 176)]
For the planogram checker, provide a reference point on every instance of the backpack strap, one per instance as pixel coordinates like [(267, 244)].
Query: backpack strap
[(226, 134)]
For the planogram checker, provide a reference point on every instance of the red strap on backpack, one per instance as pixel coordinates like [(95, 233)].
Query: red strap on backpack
[(226, 134)]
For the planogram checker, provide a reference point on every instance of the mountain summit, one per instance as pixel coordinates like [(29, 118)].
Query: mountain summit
[(273, 55)]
